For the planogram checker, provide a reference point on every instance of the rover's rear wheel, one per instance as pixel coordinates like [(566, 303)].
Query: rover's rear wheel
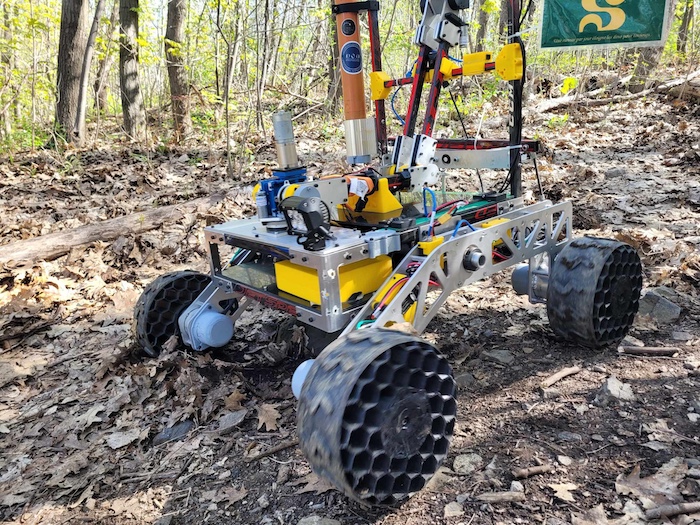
[(376, 414), (160, 305), (593, 291)]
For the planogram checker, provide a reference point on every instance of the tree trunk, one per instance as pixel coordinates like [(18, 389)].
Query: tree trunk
[(483, 26), (179, 86), (105, 63), (334, 89), (6, 66), (79, 127), (132, 102), (682, 42), (71, 52), (646, 62)]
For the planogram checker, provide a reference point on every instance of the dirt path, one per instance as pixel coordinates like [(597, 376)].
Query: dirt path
[(82, 417)]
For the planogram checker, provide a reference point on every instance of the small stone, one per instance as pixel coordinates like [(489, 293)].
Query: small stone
[(263, 501), (569, 436), (565, 460), (693, 416), (503, 357), (465, 464), (465, 380), (516, 486), (453, 510), (317, 520), (229, 421), (630, 340), (658, 307), (600, 369), (681, 336), (613, 388), (691, 364), (597, 437), (283, 474), (581, 409), (177, 431), (615, 173), (550, 393)]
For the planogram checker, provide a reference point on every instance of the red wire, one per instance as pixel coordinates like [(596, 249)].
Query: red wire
[(499, 256), (400, 282)]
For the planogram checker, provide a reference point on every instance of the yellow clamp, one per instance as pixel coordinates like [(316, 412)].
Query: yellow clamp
[(429, 246), (509, 62), (376, 85)]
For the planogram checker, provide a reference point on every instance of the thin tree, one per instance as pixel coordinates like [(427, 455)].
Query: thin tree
[(132, 102), (71, 53), (6, 66), (686, 22), (79, 127), (105, 63), (179, 86)]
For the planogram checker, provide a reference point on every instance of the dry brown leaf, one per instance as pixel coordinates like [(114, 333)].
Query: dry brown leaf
[(233, 401), (229, 495), (563, 491), (658, 489), (267, 417), (659, 431), (312, 483), (596, 516)]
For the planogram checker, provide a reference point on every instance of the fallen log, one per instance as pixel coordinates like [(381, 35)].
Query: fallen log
[(53, 245), (557, 103), (665, 511), (649, 350), (565, 372), (532, 471), (501, 497)]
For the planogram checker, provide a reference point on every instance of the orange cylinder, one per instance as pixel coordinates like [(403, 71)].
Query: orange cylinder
[(351, 64)]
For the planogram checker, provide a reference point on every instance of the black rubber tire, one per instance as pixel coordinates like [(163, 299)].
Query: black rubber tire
[(593, 291), (376, 414), (160, 305)]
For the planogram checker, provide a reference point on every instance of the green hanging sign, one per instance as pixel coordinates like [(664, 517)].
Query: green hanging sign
[(568, 24)]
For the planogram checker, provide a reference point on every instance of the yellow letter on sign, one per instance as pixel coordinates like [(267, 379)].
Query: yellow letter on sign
[(617, 15)]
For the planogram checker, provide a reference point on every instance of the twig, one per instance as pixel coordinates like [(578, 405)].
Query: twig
[(564, 372), (277, 448), (668, 351), (501, 497), (665, 511), (532, 471)]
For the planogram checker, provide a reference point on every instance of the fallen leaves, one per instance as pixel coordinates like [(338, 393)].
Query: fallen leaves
[(267, 417), (563, 491), (119, 440), (233, 401), (312, 483), (660, 488)]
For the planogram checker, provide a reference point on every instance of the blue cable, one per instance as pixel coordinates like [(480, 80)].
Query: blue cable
[(463, 222), (425, 202), (396, 113), (409, 74)]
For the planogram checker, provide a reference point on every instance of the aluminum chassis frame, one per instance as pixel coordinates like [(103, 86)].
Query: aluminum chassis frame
[(545, 228)]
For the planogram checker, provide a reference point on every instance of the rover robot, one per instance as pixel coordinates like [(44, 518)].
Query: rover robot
[(354, 254)]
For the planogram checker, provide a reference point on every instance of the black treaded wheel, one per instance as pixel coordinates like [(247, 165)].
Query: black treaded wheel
[(160, 305), (593, 291), (376, 414)]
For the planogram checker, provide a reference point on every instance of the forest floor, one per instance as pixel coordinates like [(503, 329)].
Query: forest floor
[(85, 419)]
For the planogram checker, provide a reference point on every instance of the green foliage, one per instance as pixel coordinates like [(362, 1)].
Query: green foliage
[(558, 121)]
